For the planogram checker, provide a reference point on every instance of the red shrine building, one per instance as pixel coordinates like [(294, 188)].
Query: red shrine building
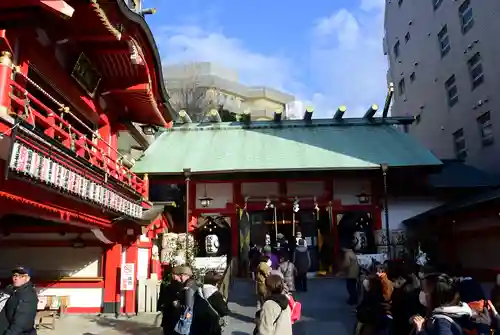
[(75, 77), (335, 180)]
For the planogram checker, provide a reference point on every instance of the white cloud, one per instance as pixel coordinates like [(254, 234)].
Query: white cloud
[(347, 57), (346, 62), (192, 43)]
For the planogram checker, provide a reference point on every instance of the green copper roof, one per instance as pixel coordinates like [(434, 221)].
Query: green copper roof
[(290, 145)]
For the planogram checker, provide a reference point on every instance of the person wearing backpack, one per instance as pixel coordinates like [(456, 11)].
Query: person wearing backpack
[(187, 302), (302, 262), (215, 310), (448, 315), (174, 297), (275, 316), (289, 272), (209, 308)]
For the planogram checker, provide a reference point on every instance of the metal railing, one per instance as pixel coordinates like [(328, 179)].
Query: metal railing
[(32, 111)]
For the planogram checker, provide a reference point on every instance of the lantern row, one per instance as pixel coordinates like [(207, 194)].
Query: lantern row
[(32, 164)]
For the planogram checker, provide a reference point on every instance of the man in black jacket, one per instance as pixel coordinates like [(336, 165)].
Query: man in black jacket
[(20, 309), (173, 298)]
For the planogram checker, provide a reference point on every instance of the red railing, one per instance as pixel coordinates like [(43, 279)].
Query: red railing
[(34, 112)]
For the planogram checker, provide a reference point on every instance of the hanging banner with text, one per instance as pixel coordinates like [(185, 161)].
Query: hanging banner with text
[(127, 278)]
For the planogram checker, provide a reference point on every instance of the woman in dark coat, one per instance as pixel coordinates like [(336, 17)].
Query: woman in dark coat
[(210, 307), (405, 303)]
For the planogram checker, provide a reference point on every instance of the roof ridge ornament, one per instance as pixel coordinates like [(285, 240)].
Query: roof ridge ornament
[(388, 100), (308, 114), (370, 113), (339, 114)]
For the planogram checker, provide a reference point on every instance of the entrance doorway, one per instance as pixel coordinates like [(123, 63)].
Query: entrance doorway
[(213, 236), (266, 226), (355, 231)]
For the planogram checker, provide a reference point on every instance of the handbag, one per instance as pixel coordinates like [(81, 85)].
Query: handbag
[(4, 297)]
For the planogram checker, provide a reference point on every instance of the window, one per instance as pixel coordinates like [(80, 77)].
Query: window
[(466, 17), (412, 77), (401, 86), (407, 37), (437, 3), (476, 70), (459, 144), (444, 41), (396, 49), (486, 129), (452, 91)]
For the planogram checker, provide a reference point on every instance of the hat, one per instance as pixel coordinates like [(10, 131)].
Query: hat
[(21, 271), (182, 270), (267, 248), (280, 235)]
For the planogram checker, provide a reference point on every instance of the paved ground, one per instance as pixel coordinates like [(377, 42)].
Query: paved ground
[(324, 312)]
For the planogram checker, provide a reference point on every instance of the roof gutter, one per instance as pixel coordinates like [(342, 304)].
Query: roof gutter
[(139, 19)]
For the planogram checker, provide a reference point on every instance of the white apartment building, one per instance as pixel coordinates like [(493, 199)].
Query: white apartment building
[(207, 79)]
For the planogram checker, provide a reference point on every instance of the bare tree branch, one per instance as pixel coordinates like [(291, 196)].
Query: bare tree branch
[(189, 93)]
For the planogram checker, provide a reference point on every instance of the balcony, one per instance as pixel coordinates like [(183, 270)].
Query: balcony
[(40, 125)]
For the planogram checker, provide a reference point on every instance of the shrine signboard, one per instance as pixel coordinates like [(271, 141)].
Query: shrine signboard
[(127, 277)]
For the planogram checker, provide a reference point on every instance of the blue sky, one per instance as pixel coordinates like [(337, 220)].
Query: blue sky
[(326, 53)]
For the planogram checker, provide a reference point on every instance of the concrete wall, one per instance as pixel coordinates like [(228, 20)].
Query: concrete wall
[(426, 94), (263, 108), (403, 208)]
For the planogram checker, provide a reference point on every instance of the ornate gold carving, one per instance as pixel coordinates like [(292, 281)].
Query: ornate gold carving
[(86, 75), (6, 58)]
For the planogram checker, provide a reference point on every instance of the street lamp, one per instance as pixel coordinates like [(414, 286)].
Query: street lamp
[(205, 200), (384, 167), (363, 198)]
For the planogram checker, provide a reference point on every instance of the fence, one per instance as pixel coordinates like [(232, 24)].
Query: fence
[(148, 291)]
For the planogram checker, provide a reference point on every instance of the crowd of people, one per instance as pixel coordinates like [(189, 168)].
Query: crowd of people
[(401, 298), (278, 274), (189, 308)]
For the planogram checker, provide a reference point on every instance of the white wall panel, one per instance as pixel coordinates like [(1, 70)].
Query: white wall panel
[(305, 188), (347, 189), (50, 262), (267, 189), (221, 194)]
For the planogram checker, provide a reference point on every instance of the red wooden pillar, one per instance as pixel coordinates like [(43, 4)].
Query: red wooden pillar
[(235, 229), (336, 208), (130, 296), (112, 266), (5, 74), (377, 218)]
